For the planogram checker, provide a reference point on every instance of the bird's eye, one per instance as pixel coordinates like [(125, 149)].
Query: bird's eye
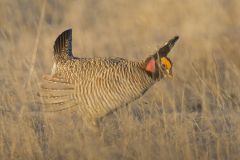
[(163, 65)]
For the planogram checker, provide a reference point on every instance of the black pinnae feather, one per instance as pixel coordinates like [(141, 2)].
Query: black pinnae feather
[(163, 51)]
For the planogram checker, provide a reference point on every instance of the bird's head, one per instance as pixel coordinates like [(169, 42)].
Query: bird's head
[(159, 65)]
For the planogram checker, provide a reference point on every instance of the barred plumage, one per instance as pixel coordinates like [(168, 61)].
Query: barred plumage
[(97, 86)]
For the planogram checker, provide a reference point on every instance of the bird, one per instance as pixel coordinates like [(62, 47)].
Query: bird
[(98, 86)]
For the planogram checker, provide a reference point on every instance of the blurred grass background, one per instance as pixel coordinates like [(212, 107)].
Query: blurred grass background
[(193, 116)]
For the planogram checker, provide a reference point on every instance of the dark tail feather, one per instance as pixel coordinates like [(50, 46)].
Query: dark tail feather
[(63, 45)]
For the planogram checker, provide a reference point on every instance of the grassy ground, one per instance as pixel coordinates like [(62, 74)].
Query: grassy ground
[(193, 116)]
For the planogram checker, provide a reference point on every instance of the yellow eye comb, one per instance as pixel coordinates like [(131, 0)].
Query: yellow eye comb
[(166, 62)]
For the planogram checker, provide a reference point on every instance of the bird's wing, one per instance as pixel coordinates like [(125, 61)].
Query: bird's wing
[(56, 94)]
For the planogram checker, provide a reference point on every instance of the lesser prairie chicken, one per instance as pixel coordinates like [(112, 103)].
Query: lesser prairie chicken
[(97, 86)]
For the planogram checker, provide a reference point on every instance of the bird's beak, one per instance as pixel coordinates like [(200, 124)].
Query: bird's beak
[(170, 75)]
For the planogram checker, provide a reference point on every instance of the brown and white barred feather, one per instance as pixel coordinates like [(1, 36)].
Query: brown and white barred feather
[(95, 86)]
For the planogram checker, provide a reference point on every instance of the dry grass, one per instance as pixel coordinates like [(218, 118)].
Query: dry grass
[(193, 116)]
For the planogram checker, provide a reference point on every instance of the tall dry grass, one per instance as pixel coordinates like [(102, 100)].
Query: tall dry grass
[(193, 116)]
